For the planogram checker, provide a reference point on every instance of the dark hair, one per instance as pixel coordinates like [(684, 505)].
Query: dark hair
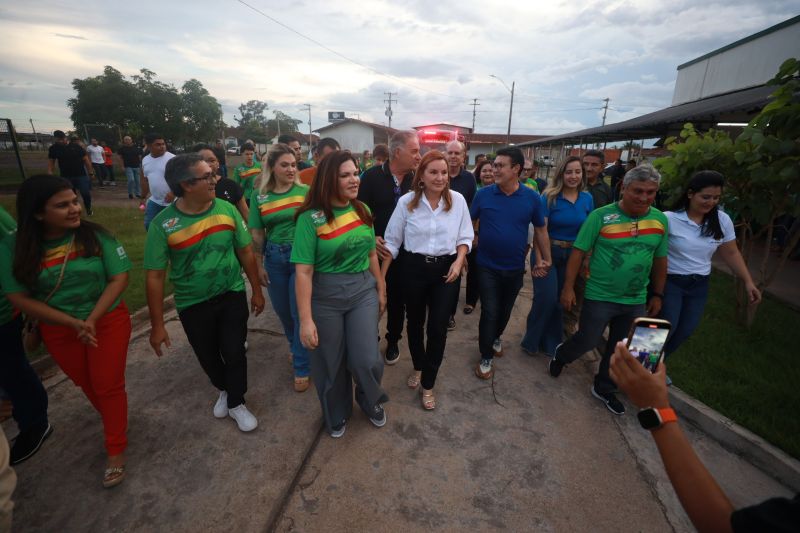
[(248, 147), (201, 146), (698, 182), (286, 139), (595, 153), (417, 187), (479, 168), (32, 197), (152, 137), (516, 155), (179, 169), (326, 142), (325, 188), (58, 134), (380, 150)]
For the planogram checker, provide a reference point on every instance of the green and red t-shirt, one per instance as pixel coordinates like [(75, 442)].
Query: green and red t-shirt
[(246, 176), (8, 227), (85, 278), (201, 250), (337, 246), (623, 249), (274, 212)]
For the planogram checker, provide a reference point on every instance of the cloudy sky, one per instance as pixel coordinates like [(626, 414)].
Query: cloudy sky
[(564, 56)]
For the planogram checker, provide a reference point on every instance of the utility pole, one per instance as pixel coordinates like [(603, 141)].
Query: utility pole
[(389, 101), (474, 104), (605, 110), (510, 110), (36, 135)]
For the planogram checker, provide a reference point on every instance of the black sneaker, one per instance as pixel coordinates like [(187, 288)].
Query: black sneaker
[(610, 399), (28, 443), (451, 325), (555, 367), (338, 431), (392, 353), (130, 197), (378, 417)]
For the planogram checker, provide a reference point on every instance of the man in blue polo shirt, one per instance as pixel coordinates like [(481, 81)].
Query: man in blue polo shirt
[(502, 213)]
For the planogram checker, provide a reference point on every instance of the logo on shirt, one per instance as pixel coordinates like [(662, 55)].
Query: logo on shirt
[(262, 198), (171, 224), (318, 218), (611, 218), (121, 252)]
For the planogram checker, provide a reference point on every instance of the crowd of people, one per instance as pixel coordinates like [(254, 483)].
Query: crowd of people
[(335, 245)]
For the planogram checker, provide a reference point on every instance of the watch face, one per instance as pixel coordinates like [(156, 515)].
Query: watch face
[(649, 418)]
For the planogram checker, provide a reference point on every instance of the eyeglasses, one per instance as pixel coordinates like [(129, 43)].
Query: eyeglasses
[(208, 176)]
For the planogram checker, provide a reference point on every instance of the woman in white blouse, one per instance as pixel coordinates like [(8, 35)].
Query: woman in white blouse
[(697, 228), (433, 226)]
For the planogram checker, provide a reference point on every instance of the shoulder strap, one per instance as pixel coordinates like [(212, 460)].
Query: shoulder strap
[(63, 268)]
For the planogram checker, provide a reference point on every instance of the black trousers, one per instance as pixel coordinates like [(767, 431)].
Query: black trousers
[(472, 283), (426, 293), (19, 380), (395, 301), (217, 329)]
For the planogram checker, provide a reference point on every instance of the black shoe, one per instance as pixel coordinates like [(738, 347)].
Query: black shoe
[(378, 417), (28, 443), (392, 353), (130, 197), (555, 367), (610, 400), (89, 212), (451, 325)]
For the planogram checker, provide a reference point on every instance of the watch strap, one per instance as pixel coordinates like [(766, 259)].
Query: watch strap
[(667, 415)]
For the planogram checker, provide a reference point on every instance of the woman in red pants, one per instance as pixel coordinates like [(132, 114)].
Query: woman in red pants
[(70, 274)]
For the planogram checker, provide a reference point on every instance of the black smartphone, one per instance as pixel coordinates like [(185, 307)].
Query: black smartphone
[(646, 341)]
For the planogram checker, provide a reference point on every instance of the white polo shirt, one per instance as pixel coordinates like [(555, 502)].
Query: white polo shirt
[(153, 168), (690, 252)]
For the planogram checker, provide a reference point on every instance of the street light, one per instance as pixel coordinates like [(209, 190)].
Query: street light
[(510, 107)]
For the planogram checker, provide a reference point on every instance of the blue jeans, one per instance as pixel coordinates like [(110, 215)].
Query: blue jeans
[(595, 315), (84, 186), (545, 330), (151, 209), (498, 290), (284, 301), (684, 302), (132, 173)]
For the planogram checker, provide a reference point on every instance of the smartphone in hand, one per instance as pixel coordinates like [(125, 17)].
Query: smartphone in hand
[(646, 341)]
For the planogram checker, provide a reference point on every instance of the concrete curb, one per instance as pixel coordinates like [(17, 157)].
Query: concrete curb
[(737, 439)]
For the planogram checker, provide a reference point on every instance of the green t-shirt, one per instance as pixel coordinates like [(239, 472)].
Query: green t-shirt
[(201, 249), (531, 184), (246, 177), (340, 246), (8, 227), (623, 249), (274, 212), (85, 278)]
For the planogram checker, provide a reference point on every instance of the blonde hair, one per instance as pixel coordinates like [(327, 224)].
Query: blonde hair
[(266, 182), (554, 189), (418, 187)]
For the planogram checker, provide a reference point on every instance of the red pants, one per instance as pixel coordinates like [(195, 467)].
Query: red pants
[(100, 371)]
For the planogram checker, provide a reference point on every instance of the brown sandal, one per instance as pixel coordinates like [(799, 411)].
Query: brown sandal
[(113, 476), (413, 380), (301, 384), (428, 400)]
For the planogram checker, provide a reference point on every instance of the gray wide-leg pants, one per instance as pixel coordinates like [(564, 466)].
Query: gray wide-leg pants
[(345, 311)]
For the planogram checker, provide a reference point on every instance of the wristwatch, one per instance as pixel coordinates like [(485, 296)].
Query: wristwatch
[(651, 418)]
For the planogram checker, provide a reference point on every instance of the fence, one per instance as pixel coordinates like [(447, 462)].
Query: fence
[(12, 171)]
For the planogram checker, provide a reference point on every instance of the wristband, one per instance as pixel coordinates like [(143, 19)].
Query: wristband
[(651, 418)]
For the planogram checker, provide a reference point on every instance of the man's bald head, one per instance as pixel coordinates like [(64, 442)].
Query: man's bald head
[(455, 157)]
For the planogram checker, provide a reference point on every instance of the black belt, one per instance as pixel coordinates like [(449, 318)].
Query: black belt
[(432, 259), (693, 277)]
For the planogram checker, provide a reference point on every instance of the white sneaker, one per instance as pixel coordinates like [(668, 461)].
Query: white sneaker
[(497, 347), (221, 407), (244, 418)]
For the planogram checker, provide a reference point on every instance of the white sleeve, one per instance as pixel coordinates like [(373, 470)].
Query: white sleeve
[(395, 230), (465, 231), (725, 222)]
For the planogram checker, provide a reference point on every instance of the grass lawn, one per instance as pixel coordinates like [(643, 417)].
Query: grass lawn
[(126, 225), (750, 376)]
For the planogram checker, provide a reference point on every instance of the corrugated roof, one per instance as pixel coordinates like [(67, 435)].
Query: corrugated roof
[(736, 106), (500, 138)]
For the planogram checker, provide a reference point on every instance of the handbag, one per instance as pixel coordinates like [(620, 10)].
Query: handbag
[(31, 335)]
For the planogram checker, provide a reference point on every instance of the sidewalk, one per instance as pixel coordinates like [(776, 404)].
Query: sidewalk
[(525, 452)]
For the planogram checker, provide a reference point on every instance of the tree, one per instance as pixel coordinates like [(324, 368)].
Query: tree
[(252, 121), (282, 123), (202, 114), (761, 167), (107, 99), (158, 106)]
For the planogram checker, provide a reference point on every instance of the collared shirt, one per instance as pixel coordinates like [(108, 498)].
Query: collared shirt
[(429, 231), (601, 192), (464, 182), (503, 228), (564, 218), (689, 250), (377, 190)]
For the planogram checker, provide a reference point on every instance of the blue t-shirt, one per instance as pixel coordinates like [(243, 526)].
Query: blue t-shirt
[(503, 229), (564, 218)]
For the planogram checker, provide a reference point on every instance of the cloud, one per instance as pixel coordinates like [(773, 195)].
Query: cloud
[(68, 36)]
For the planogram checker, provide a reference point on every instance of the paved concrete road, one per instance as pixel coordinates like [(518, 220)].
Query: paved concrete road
[(523, 453)]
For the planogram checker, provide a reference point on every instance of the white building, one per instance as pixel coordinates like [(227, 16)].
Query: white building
[(356, 135)]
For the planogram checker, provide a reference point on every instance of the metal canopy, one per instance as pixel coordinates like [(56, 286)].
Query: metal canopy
[(737, 106)]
